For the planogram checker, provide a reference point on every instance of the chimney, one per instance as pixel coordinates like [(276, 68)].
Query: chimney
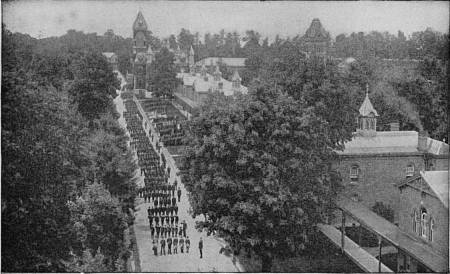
[(395, 126), (422, 141)]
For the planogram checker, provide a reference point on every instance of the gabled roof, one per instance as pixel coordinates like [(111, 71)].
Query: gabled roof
[(191, 51), (139, 22), (236, 76), (149, 50), (108, 54), (438, 182), (367, 108)]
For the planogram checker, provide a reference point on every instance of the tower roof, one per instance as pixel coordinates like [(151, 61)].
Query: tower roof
[(149, 50), (367, 107), (316, 31), (191, 51), (140, 23)]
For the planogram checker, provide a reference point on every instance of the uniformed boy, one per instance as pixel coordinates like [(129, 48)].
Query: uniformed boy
[(188, 244), (181, 241)]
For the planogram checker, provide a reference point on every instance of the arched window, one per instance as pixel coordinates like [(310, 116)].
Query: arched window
[(417, 222), (409, 170), (423, 223), (354, 172), (430, 235)]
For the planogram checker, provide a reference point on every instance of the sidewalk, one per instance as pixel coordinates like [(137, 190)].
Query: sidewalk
[(181, 262)]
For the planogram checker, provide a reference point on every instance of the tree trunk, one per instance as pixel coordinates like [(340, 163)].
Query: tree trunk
[(266, 263)]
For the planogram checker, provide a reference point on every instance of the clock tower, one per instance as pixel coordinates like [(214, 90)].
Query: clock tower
[(140, 46)]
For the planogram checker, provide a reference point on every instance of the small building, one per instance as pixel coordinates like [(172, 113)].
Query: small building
[(196, 87), (373, 162), (112, 59), (231, 63), (423, 214)]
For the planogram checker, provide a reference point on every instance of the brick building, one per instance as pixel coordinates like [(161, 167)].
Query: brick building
[(423, 214), (373, 162)]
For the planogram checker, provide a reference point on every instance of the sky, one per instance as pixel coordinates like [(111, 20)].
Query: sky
[(54, 18)]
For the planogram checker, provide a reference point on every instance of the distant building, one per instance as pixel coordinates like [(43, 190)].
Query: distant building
[(196, 87), (112, 59), (373, 162), (423, 214), (316, 41), (231, 63)]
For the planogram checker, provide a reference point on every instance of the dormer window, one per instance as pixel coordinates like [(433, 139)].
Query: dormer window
[(354, 172), (409, 170)]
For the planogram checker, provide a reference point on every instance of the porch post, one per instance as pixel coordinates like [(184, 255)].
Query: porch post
[(379, 252), (343, 232)]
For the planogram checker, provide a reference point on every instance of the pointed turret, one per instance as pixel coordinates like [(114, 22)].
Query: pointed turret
[(191, 51), (367, 117), (140, 23)]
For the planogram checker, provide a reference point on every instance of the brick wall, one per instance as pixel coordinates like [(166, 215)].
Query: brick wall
[(412, 199), (377, 177)]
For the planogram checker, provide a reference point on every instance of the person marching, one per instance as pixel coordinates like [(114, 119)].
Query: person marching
[(163, 246), (155, 248), (175, 245), (181, 245), (179, 194), (188, 244), (169, 246), (184, 228), (152, 231), (200, 247)]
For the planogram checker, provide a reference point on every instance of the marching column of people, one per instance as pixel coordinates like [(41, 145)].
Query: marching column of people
[(166, 230)]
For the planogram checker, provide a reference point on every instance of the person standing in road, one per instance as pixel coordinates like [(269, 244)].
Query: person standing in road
[(200, 247), (188, 244)]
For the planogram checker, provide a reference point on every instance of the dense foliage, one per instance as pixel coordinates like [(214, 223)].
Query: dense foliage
[(67, 175), (163, 74), (259, 167)]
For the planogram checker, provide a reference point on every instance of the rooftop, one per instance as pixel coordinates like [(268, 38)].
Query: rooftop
[(208, 84), (392, 142), (108, 54), (367, 108), (438, 182), (230, 62), (316, 32)]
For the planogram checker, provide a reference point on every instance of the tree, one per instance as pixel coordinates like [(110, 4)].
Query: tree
[(185, 39), (163, 74), (99, 225), (94, 85), (259, 170), (384, 211)]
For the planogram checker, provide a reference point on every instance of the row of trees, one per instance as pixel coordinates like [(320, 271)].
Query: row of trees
[(68, 176)]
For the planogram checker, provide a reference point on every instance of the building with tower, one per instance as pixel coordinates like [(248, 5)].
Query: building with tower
[(316, 41), (374, 162), (141, 45)]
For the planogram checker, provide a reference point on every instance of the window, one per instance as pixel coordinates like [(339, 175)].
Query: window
[(409, 170), (414, 221), (430, 236), (354, 172), (417, 222), (423, 223)]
